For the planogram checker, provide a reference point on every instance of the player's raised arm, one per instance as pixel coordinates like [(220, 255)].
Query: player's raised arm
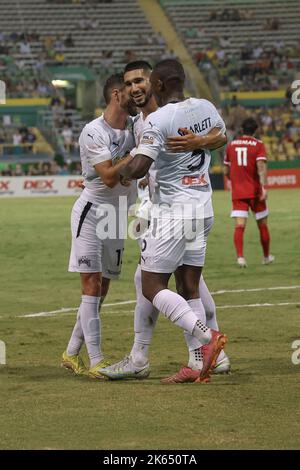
[(190, 141)]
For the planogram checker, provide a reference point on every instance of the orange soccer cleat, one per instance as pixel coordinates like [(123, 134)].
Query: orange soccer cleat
[(211, 352)]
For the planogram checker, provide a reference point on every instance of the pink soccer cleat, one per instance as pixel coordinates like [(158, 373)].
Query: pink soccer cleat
[(185, 375), (211, 352)]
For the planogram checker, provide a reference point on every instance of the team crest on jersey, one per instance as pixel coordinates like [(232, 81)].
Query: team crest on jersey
[(147, 139), (84, 260)]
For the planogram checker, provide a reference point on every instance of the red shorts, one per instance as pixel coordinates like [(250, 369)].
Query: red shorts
[(240, 208)]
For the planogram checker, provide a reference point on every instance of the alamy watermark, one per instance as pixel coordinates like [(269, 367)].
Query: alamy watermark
[(2, 353), (2, 92), (296, 353), (175, 221)]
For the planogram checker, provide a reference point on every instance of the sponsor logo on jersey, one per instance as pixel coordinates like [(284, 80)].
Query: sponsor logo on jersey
[(147, 139), (194, 181)]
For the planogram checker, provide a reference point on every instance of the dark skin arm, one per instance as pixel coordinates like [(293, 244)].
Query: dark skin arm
[(190, 141), (137, 167), (140, 164)]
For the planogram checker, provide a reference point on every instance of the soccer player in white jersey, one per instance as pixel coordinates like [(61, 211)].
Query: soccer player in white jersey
[(137, 80), (103, 144), (177, 178)]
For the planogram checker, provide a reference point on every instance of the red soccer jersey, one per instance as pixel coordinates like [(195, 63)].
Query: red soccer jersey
[(242, 155)]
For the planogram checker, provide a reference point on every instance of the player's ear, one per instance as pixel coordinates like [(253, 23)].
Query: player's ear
[(160, 84), (115, 94)]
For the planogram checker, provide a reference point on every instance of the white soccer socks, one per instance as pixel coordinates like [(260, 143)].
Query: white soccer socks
[(145, 317), (77, 337), (174, 307), (209, 305), (198, 309), (90, 322)]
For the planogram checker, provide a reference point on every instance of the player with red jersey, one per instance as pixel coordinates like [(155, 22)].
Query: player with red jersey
[(246, 167)]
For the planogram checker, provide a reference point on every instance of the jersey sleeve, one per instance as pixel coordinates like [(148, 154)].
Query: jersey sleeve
[(133, 151), (94, 146), (152, 140), (261, 152)]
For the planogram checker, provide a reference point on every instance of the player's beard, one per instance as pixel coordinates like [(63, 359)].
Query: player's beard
[(131, 108), (145, 101)]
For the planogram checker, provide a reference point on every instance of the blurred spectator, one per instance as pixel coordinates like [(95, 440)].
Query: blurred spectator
[(159, 39), (25, 48), (67, 135), (64, 170), (17, 138), (18, 171), (69, 42), (7, 171), (59, 58)]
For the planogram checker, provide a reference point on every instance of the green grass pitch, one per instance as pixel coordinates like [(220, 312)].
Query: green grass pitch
[(44, 407)]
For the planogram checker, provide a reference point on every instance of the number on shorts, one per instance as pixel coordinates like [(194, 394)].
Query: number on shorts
[(120, 255)]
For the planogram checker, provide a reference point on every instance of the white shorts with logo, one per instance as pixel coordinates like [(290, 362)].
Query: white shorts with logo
[(170, 243), (89, 253)]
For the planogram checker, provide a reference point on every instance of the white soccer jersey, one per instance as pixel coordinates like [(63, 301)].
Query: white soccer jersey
[(182, 179), (98, 143), (138, 128)]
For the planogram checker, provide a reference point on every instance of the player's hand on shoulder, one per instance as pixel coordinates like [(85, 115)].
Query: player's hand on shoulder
[(186, 142)]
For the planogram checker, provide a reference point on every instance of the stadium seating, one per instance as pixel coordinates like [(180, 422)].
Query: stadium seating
[(230, 31), (105, 35), (119, 27)]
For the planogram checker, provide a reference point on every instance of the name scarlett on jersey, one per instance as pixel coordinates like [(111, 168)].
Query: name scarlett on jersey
[(198, 127)]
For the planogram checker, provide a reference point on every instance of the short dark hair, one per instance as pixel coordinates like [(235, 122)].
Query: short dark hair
[(170, 70), (138, 64), (249, 126), (114, 81)]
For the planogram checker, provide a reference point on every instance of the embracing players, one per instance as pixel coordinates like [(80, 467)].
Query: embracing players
[(181, 177)]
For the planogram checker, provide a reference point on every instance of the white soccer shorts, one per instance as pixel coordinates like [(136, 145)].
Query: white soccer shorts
[(89, 253), (170, 243)]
